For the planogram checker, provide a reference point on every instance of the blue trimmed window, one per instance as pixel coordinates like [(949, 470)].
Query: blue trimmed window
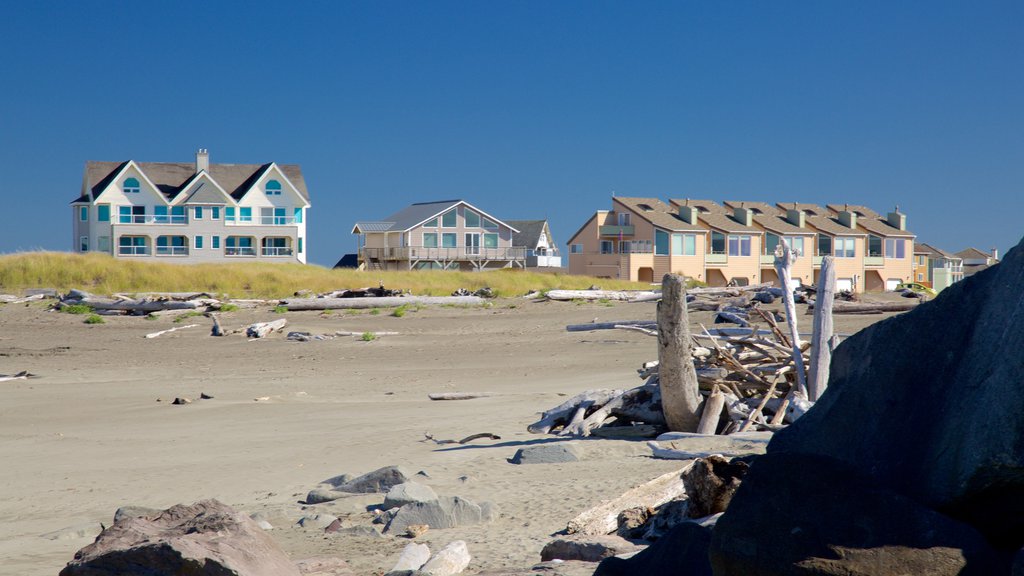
[(273, 188), (131, 186), (103, 212)]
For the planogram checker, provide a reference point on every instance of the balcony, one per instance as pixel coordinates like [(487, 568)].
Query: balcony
[(172, 250), (151, 219), (716, 259), (240, 251), (544, 261), (767, 260), (874, 261), (616, 231), (133, 250), (514, 253), (275, 251)]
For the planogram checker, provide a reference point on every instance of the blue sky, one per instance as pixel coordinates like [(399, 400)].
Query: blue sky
[(528, 109)]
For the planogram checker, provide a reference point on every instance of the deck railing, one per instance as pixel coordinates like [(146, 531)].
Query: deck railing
[(514, 253)]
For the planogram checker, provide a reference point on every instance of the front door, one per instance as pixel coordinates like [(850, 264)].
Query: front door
[(473, 244)]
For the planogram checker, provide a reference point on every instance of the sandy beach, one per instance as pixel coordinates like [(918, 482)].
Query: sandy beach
[(97, 430)]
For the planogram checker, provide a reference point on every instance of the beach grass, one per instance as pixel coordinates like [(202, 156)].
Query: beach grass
[(103, 274)]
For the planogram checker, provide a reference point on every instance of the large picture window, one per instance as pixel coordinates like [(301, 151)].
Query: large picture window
[(739, 245), (449, 219), (845, 248), (472, 219), (430, 240), (449, 240), (660, 243), (895, 248), (717, 243)]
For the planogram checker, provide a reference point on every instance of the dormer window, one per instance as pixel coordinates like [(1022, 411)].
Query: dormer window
[(131, 186), (273, 188), (645, 207)]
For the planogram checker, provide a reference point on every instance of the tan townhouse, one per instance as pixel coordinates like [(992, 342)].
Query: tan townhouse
[(734, 242)]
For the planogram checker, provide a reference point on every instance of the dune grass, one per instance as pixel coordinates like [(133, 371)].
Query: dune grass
[(103, 274)]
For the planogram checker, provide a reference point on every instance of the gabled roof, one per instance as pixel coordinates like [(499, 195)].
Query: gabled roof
[(170, 177), (862, 211), (880, 227), (703, 206), (757, 207), (726, 223), (932, 251), (529, 232), (831, 226), (657, 213), (973, 254), (779, 225), (416, 214), (809, 209)]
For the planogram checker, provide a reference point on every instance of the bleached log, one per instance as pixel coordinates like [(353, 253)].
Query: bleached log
[(821, 349), (728, 290), (169, 330), (457, 395), (619, 295), (680, 390), (642, 403), (294, 304), (11, 299), (603, 518), (871, 307), (610, 325), (132, 305), (23, 375), (359, 334), (262, 329), (640, 329), (563, 412), (784, 259), (711, 413)]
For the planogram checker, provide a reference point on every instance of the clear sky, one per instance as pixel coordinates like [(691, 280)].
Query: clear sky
[(528, 109)]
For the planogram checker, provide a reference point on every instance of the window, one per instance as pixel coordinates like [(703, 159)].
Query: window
[(131, 214), (684, 245), (103, 213), (430, 239), (215, 242), (488, 225), (199, 242), (103, 243), (920, 277), (845, 248), (298, 216), (172, 245), (197, 213), (276, 247), (245, 215), (824, 245), (239, 246), (273, 216), (214, 212), (739, 245), (229, 214), (490, 240), (83, 244), (874, 246), (894, 248), (607, 247), (660, 243), (83, 214), (124, 214), (431, 223), (472, 243), (273, 188), (796, 244), (300, 245), (771, 242), (576, 249), (449, 240), (717, 243), (131, 245), (472, 219), (131, 186), (449, 219), (624, 219), (160, 215), (177, 214)]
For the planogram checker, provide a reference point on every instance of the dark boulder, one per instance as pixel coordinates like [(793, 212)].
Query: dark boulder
[(682, 551)]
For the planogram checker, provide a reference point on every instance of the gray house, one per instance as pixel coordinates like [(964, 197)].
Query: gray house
[(192, 212), (535, 236)]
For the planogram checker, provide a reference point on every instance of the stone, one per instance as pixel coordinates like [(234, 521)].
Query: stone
[(549, 453), (207, 538), (665, 518), (683, 550), (416, 530), (413, 557), (84, 530), (317, 521), (359, 532), (940, 387), (799, 514), (452, 559), (261, 520), (380, 480), (631, 519), (587, 548), (711, 483), (135, 512), (323, 494), (446, 512), (407, 493)]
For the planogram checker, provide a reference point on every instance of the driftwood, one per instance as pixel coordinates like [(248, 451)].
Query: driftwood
[(610, 325), (561, 414), (603, 518), (23, 375), (169, 330), (637, 404), (821, 349), (216, 330), (263, 329), (678, 379), (11, 299), (784, 259), (466, 440), (360, 334), (728, 290), (373, 302), (620, 295), (457, 395), (711, 412), (841, 307), (138, 306)]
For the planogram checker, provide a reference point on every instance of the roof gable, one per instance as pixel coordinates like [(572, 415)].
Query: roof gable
[(529, 232), (202, 188), (130, 167), (658, 213), (416, 215), (265, 172)]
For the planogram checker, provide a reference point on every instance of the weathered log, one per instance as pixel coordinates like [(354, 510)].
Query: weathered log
[(610, 325), (821, 349), (619, 295), (728, 290), (680, 390), (603, 518), (643, 404), (711, 413), (132, 305), (23, 375), (294, 304), (216, 330), (640, 329), (841, 307), (563, 412), (783, 266), (262, 329), (731, 317), (169, 330), (457, 395)]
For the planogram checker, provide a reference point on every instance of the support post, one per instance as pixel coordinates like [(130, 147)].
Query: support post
[(821, 345), (680, 394)]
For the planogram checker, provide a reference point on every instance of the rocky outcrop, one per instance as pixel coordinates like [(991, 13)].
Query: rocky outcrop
[(204, 539)]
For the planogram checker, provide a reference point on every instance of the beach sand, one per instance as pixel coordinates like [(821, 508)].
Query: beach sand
[(97, 430)]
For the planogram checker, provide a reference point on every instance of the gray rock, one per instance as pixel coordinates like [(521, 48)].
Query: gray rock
[(84, 530), (316, 521), (323, 494), (413, 557), (683, 550), (261, 520), (549, 453), (587, 548), (408, 493), (452, 559), (203, 539), (445, 512), (360, 532), (135, 512), (380, 480), (488, 511)]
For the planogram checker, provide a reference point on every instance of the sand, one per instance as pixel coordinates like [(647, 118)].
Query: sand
[(96, 431)]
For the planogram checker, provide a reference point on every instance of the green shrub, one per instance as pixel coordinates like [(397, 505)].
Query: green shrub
[(400, 311), (375, 311), (94, 319), (187, 315), (368, 337), (77, 309), (280, 309), (228, 307)]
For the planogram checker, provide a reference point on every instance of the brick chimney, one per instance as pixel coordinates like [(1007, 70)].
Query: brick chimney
[(202, 161)]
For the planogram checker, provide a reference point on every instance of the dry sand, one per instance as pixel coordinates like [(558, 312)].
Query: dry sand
[(90, 435)]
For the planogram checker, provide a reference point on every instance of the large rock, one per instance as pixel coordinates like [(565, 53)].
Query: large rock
[(683, 550), (412, 558), (928, 403), (452, 559), (801, 515), (380, 480), (587, 548), (550, 453), (445, 512), (408, 493), (203, 539)]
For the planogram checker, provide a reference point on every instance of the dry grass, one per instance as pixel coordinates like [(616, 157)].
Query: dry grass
[(104, 274)]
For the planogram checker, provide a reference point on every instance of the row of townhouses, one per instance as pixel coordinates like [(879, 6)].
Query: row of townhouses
[(203, 212)]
